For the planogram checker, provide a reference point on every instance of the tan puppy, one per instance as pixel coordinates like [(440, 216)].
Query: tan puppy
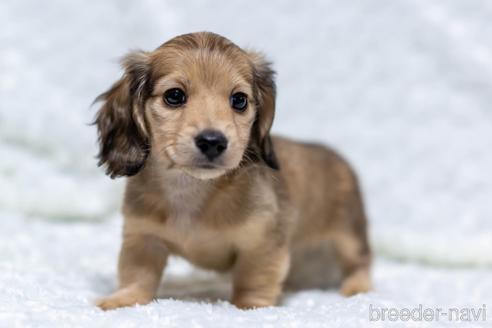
[(189, 124)]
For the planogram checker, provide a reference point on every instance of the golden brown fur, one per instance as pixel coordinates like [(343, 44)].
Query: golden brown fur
[(249, 210)]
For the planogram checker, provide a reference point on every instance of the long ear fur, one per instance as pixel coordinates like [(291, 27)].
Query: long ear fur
[(123, 136), (265, 90)]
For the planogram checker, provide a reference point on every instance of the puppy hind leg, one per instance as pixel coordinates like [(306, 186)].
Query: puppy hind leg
[(354, 257)]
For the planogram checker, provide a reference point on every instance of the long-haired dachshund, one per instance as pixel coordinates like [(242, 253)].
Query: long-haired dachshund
[(188, 124)]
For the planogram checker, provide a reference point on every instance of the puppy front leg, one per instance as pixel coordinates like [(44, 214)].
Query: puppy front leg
[(258, 277), (142, 259)]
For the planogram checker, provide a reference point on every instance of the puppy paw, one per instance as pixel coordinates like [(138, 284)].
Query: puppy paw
[(122, 298), (248, 303), (356, 283)]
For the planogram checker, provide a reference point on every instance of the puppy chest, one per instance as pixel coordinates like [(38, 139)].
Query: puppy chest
[(201, 246)]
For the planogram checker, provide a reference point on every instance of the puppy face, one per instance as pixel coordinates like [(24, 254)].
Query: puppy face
[(202, 108), (198, 103)]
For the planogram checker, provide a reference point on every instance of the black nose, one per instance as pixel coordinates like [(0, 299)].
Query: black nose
[(211, 143)]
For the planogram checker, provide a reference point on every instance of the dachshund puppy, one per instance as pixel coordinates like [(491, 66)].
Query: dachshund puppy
[(188, 124)]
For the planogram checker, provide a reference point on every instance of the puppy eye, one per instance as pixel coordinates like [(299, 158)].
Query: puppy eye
[(239, 101), (174, 97)]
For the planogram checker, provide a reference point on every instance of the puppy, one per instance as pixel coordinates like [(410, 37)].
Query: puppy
[(188, 124)]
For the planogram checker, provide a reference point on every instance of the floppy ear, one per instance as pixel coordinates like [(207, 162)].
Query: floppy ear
[(265, 93), (123, 135)]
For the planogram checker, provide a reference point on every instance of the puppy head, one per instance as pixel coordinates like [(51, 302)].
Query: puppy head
[(198, 103)]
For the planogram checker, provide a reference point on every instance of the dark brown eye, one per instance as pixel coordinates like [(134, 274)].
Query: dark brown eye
[(239, 101), (174, 97)]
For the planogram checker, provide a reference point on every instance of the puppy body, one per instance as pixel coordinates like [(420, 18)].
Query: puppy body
[(244, 215)]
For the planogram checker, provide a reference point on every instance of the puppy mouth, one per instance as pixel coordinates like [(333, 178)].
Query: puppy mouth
[(199, 165), (205, 164), (208, 166), (195, 162), (204, 171)]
